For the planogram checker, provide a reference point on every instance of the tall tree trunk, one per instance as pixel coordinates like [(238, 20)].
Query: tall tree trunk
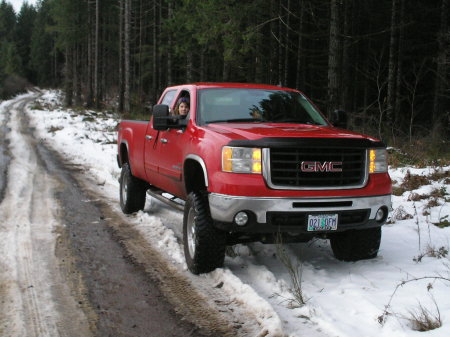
[(96, 60), (333, 57), (90, 88), (169, 48), (121, 63), (77, 76), (225, 70), (286, 41), (160, 57), (189, 66), (202, 65), (69, 77), (127, 74), (141, 52), (392, 64), (298, 73), (346, 101), (154, 52), (398, 85), (273, 44), (441, 69), (280, 45)]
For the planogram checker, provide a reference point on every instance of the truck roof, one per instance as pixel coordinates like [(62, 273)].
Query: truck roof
[(205, 85)]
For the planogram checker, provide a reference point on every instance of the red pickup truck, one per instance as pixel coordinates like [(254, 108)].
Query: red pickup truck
[(255, 163)]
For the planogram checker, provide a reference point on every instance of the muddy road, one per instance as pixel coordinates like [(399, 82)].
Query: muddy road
[(71, 265)]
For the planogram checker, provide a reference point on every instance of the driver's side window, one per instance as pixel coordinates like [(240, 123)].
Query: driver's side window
[(168, 97)]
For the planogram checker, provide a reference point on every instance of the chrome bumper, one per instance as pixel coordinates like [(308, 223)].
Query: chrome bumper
[(224, 207)]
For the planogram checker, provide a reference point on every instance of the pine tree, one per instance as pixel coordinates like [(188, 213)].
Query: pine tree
[(23, 33)]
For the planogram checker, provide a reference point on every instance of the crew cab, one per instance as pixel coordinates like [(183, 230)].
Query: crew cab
[(252, 163)]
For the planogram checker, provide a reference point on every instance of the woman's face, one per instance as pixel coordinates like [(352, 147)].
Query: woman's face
[(183, 108)]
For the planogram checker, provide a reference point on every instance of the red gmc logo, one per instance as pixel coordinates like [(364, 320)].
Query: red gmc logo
[(315, 166)]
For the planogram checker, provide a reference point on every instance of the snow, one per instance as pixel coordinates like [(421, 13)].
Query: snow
[(342, 299)]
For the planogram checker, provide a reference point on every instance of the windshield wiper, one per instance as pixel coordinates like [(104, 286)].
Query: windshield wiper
[(237, 120), (296, 121)]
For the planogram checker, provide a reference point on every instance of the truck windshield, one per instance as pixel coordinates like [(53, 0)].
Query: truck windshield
[(239, 105)]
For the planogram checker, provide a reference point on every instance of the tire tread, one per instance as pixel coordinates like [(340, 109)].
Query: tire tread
[(211, 242)]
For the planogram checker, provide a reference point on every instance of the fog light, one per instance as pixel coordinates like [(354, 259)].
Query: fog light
[(241, 219), (381, 213)]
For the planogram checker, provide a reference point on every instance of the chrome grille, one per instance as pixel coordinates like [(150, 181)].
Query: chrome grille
[(285, 169)]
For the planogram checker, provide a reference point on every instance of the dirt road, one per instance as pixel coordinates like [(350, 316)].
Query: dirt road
[(70, 265)]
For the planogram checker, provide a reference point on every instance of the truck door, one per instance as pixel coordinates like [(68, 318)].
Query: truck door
[(151, 148), (172, 145)]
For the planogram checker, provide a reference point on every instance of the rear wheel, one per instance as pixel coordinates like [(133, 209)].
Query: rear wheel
[(132, 191), (204, 244), (356, 245)]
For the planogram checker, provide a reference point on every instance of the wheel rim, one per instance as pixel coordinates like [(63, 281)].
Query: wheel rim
[(190, 232), (124, 188)]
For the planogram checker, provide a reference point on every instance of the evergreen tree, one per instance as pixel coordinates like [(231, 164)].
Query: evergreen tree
[(24, 30), (42, 47), (10, 59), (7, 21)]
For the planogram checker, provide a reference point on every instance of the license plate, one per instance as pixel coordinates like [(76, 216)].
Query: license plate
[(322, 222)]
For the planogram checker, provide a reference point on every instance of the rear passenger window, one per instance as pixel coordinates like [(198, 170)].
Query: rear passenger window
[(168, 97)]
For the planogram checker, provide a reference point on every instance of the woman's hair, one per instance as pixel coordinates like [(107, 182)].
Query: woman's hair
[(181, 100)]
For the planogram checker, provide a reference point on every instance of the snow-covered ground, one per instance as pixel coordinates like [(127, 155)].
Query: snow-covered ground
[(377, 297)]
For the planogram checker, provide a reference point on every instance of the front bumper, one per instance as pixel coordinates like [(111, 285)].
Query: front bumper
[(268, 215)]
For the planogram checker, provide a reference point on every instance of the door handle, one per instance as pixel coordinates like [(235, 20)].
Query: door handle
[(148, 137), (164, 140)]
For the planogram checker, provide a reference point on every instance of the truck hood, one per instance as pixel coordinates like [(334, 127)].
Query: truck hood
[(250, 131)]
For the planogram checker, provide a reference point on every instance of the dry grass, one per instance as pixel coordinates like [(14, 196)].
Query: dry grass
[(399, 214), (295, 269), (415, 197), (422, 319), (54, 129), (439, 174), (414, 181), (433, 202), (398, 191), (443, 222), (432, 251), (421, 152), (439, 192)]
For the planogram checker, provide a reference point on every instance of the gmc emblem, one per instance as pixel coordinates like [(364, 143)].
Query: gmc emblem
[(315, 166)]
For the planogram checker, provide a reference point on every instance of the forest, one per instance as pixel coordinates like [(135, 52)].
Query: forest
[(385, 62)]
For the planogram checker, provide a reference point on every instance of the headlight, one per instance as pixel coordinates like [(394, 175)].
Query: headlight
[(241, 159), (378, 161)]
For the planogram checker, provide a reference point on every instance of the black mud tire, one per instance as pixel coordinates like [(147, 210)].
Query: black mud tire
[(204, 244), (132, 191), (355, 245)]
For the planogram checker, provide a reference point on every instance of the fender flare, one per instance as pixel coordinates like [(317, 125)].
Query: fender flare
[(120, 160), (200, 160)]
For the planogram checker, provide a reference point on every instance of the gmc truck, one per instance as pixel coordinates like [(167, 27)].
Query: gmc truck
[(253, 163)]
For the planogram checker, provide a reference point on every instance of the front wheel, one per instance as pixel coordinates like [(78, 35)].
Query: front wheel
[(204, 244), (354, 245), (132, 191)]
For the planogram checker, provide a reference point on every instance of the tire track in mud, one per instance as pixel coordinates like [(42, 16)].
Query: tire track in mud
[(31, 276), (121, 299), (30, 310), (4, 156)]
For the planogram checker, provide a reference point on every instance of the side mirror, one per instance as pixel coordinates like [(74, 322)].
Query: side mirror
[(339, 119), (162, 120), (160, 114)]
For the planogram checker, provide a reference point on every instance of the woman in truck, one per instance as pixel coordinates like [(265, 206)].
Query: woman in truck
[(182, 108)]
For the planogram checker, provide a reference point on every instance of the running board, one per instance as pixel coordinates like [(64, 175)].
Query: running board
[(157, 194)]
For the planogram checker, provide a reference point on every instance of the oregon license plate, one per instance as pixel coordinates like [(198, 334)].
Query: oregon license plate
[(322, 222)]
